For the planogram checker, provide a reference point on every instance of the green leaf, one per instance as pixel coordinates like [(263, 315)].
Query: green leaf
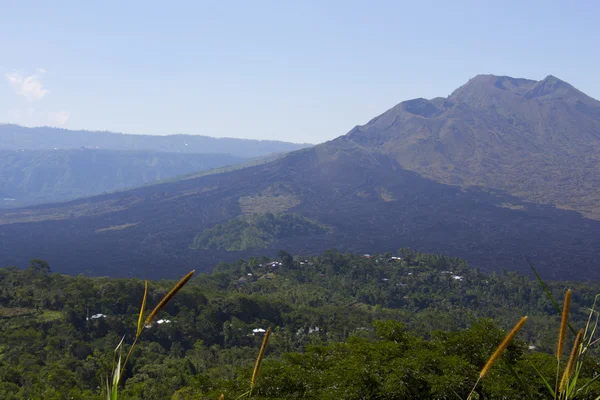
[(550, 389), (140, 324), (517, 378), (549, 294), (112, 389), (588, 383), (247, 394)]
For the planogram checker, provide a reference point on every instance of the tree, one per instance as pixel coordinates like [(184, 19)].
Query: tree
[(39, 266), (286, 258)]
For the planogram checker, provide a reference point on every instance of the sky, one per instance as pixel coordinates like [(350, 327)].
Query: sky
[(300, 71)]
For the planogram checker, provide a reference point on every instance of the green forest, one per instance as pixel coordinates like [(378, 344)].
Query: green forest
[(257, 231), (389, 326), (36, 176)]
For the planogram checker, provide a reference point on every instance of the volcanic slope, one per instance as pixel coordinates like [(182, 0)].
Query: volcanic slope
[(443, 175)]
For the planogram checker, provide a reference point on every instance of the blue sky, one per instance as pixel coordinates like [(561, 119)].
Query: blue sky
[(302, 71)]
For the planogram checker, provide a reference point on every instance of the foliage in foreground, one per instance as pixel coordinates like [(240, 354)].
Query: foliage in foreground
[(344, 326)]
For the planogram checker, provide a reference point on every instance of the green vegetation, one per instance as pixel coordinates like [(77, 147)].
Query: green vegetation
[(31, 177), (256, 231), (405, 326)]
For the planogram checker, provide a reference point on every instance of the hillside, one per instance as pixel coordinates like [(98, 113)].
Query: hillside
[(42, 176), (536, 140), (256, 231), (361, 187), (45, 165), (14, 137)]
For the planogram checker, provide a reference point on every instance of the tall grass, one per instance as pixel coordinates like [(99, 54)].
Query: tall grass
[(568, 372), (494, 357), (566, 378), (563, 325), (112, 385), (256, 370), (565, 387)]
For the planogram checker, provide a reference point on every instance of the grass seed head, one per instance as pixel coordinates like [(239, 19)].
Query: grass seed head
[(501, 347), (571, 363), (261, 354), (169, 296), (563, 325)]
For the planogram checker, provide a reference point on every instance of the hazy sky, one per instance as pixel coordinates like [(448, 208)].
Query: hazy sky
[(303, 71)]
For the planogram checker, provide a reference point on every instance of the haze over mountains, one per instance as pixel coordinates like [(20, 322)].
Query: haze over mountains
[(39, 165), (15, 137), (475, 175)]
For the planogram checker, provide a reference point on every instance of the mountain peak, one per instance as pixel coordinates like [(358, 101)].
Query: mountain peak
[(552, 88), (482, 88), (552, 78), (491, 90)]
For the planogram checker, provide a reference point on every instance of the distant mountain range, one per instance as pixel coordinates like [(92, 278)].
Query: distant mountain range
[(41, 176), (475, 175), (15, 137), (41, 165)]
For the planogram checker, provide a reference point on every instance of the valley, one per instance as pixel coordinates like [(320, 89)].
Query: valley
[(49, 165)]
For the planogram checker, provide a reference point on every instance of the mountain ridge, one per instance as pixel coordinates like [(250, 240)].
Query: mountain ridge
[(433, 175), (46, 164), (480, 129), (16, 137), (30, 177)]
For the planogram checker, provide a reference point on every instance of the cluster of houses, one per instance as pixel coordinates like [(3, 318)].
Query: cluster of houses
[(159, 322), (261, 331), (273, 265), (458, 278), (389, 260), (301, 331), (102, 316), (269, 267)]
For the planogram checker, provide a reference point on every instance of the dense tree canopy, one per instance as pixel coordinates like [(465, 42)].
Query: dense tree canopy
[(255, 231), (404, 326)]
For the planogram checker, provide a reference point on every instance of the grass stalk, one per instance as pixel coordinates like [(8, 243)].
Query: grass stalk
[(548, 292), (494, 357), (259, 359), (563, 325), (564, 382), (140, 324), (502, 346), (169, 296), (561, 339), (119, 370)]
